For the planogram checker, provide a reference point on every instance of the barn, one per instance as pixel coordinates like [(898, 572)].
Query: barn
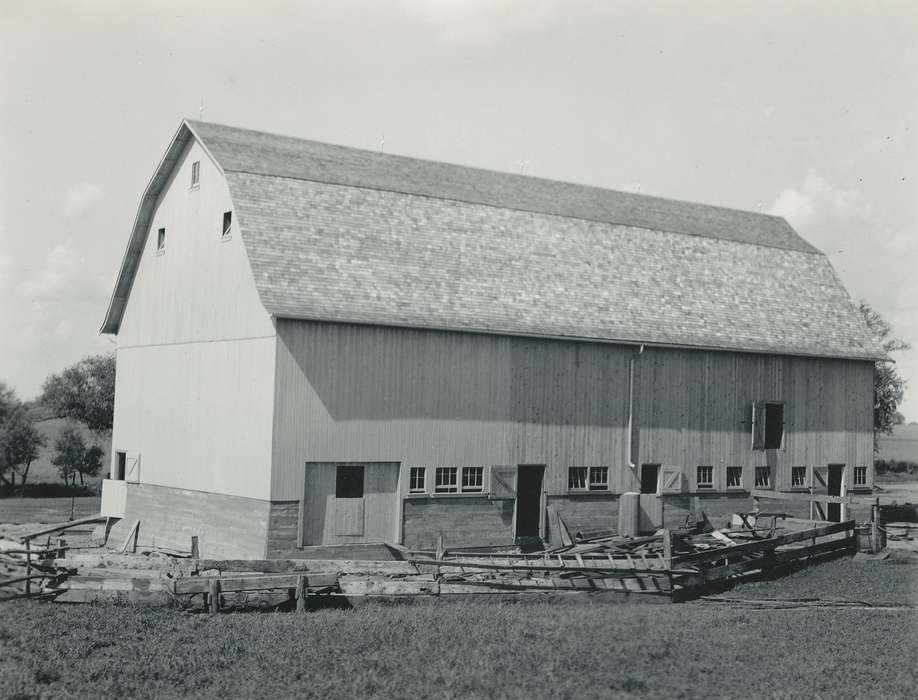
[(325, 347)]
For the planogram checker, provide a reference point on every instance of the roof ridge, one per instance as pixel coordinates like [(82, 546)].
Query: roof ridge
[(477, 168), (812, 251)]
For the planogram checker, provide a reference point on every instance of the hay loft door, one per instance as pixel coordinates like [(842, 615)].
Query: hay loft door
[(349, 503)]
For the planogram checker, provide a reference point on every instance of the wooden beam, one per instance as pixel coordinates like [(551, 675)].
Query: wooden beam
[(63, 526), (267, 582)]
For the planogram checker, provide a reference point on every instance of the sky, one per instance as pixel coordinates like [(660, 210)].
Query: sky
[(805, 110)]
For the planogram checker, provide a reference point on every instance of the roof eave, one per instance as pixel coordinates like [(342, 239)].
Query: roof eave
[(635, 342)]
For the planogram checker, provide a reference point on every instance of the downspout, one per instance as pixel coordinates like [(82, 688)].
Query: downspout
[(630, 429)]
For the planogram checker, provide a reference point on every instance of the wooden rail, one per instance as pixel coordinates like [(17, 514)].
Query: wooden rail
[(213, 586)]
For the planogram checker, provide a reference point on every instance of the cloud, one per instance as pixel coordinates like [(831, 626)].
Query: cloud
[(818, 201), (482, 21), (61, 271), (81, 199)]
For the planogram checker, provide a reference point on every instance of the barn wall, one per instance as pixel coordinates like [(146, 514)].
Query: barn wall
[(195, 366), (199, 415), (694, 408), (349, 393)]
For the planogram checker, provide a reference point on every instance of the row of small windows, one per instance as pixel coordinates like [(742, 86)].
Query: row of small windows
[(471, 479), (226, 231), (446, 480)]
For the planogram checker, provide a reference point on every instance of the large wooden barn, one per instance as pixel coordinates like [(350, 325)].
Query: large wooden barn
[(320, 345)]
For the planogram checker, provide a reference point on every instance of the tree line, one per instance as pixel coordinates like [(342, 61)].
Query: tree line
[(84, 394)]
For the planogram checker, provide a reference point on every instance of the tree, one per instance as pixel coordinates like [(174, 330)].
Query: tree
[(888, 385), (84, 392), (72, 456), (20, 441), (69, 449)]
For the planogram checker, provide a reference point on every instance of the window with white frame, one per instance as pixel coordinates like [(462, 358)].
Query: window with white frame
[(161, 241), (798, 477), (417, 480), (576, 478), (446, 480), (472, 479), (599, 478), (227, 223), (705, 477), (860, 476), (195, 173), (734, 477), (763, 477)]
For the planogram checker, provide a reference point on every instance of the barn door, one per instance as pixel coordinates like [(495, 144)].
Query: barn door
[(350, 503), (348, 520)]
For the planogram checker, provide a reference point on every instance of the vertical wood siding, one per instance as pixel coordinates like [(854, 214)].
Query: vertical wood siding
[(194, 386), (430, 398)]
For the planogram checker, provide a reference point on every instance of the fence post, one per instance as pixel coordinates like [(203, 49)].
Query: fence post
[(28, 583), (301, 593), (874, 528), (214, 596)]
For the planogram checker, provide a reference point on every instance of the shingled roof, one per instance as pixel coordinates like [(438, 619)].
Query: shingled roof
[(343, 234)]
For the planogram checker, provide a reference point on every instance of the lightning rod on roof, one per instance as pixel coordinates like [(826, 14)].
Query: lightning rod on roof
[(201, 110), (382, 144), (523, 164)]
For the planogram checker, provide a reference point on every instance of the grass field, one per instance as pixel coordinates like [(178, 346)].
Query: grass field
[(481, 650)]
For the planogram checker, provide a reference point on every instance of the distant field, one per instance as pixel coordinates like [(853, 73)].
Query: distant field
[(901, 446), (47, 510)]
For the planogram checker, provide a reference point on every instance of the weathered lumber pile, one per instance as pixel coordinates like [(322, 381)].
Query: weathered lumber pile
[(668, 565)]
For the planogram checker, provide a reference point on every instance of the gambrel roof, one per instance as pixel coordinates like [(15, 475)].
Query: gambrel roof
[(342, 234)]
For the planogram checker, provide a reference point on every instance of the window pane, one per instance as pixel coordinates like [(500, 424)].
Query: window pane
[(734, 477), (860, 476), (798, 476), (227, 222), (446, 480), (599, 478), (472, 478), (416, 480), (576, 477), (349, 482), (763, 476), (705, 477)]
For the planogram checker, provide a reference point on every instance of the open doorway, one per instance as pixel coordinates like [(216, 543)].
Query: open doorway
[(836, 476), (120, 466), (529, 500)]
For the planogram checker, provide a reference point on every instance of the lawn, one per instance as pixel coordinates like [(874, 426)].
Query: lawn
[(468, 650)]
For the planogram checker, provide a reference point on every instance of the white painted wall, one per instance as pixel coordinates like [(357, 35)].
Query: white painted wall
[(196, 349)]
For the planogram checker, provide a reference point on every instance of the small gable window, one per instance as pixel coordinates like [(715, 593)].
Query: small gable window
[(227, 223), (161, 241), (195, 174)]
